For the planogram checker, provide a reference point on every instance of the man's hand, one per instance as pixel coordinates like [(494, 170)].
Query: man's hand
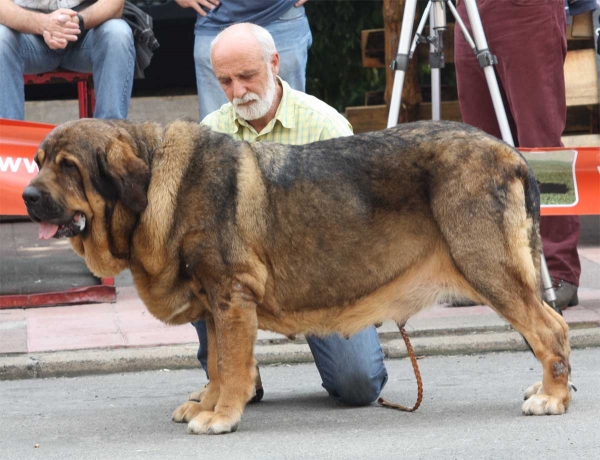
[(299, 3), (59, 27), (198, 4)]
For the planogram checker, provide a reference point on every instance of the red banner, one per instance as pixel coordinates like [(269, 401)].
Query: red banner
[(19, 142)]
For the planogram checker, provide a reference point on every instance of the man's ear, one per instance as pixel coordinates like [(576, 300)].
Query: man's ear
[(275, 63), (129, 173)]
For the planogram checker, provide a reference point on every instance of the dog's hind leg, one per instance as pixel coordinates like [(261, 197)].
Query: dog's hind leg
[(500, 286), (498, 252), (547, 334)]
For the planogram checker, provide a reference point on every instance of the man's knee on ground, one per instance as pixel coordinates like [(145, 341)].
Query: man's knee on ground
[(357, 387)]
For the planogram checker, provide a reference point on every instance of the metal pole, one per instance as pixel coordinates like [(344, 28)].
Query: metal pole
[(400, 64), (487, 61), (437, 27)]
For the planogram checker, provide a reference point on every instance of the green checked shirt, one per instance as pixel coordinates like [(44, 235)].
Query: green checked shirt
[(300, 119)]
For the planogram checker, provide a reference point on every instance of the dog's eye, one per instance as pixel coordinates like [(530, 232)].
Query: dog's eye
[(68, 164)]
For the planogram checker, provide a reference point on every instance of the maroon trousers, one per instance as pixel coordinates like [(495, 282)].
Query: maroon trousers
[(529, 39)]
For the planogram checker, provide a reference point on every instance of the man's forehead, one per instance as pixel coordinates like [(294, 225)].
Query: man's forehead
[(238, 65)]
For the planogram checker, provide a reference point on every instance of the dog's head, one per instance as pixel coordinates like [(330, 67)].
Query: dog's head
[(91, 188)]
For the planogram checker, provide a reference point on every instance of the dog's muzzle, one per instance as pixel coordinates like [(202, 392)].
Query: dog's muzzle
[(51, 217)]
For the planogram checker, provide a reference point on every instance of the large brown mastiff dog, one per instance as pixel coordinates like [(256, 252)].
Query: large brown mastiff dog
[(327, 237)]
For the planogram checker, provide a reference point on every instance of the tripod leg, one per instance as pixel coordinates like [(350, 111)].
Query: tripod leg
[(400, 64), (436, 99), (487, 60), (548, 287), (437, 26)]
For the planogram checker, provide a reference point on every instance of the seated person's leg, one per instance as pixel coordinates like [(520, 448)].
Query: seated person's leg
[(21, 54), (352, 369), (108, 52)]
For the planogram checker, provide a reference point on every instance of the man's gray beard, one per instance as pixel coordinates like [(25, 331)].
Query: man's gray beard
[(262, 105)]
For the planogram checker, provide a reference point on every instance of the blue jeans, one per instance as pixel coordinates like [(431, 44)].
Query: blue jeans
[(107, 51), (352, 370), (292, 37)]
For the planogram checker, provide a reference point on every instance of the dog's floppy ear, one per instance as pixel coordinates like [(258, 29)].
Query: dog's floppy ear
[(129, 173)]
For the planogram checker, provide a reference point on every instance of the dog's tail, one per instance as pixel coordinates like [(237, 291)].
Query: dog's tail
[(532, 207), (532, 196)]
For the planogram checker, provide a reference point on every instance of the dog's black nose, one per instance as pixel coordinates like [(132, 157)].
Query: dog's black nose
[(31, 195)]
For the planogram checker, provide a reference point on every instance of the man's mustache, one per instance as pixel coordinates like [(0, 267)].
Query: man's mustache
[(247, 98)]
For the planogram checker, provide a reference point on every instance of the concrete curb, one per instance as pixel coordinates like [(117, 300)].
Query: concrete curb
[(118, 360)]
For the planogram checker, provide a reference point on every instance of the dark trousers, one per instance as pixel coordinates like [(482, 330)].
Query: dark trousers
[(529, 39)]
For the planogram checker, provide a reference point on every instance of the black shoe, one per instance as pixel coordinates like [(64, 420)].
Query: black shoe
[(566, 294)]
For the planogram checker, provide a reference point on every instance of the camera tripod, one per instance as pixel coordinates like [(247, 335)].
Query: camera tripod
[(436, 11)]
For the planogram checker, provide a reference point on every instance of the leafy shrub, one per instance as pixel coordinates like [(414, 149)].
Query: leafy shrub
[(334, 71)]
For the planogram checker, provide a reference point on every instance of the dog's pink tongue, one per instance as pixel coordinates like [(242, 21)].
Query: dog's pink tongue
[(47, 230)]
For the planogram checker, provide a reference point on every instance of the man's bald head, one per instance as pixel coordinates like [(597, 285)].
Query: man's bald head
[(246, 39)]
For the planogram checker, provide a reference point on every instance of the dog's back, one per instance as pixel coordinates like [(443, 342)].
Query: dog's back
[(370, 207)]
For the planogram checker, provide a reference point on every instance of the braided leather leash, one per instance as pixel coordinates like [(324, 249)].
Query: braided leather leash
[(413, 360)]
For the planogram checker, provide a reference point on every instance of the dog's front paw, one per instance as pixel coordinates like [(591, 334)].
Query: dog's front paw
[(542, 404), (213, 423), (187, 411)]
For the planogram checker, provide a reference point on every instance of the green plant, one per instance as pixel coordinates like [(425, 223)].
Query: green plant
[(334, 70)]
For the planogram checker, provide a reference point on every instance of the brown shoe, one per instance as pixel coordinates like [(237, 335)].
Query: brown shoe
[(566, 294), (256, 397)]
